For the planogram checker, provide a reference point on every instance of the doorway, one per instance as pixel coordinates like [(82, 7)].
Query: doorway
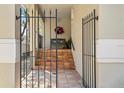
[(42, 66)]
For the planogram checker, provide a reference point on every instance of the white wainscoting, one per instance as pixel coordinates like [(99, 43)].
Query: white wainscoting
[(7, 50), (110, 50)]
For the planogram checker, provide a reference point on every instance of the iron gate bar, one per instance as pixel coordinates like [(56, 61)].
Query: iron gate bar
[(94, 47), (86, 57), (32, 49), (29, 31), (89, 60), (91, 52), (44, 54), (83, 54), (88, 53), (35, 50), (56, 55), (29, 53), (18, 17), (38, 47), (26, 49), (89, 49), (20, 51), (50, 54), (35, 37)]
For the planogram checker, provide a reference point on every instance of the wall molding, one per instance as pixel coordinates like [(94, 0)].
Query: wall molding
[(110, 50), (8, 50)]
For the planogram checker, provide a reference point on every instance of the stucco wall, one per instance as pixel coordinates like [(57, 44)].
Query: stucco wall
[(78, 12), (7, 45), (110, 46)]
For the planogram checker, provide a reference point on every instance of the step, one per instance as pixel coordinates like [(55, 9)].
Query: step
[(64, 57), (61, 65)]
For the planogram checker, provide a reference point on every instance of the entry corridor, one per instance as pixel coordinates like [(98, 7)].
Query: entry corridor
[(42, 65), (67, 76), (67, 79)]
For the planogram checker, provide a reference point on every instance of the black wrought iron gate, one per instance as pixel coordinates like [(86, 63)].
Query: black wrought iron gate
[(32, 44), (89, 50)]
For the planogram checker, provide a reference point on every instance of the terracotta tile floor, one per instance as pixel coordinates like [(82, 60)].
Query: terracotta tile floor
[(66, 79)]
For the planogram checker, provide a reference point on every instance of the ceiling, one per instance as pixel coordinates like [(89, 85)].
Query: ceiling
[(63, 10)]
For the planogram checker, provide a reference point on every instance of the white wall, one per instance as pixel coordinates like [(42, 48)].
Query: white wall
[(7, 16), (110, 46), (111, 24), (78, 12), (7, 45)]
